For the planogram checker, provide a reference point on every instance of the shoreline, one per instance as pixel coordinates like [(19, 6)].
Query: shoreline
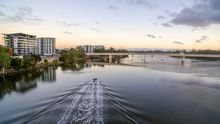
[(10, 73)]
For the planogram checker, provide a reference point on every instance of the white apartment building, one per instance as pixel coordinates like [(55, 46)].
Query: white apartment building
[(87, 48), (98, 47), (20, 43), (45, 46)]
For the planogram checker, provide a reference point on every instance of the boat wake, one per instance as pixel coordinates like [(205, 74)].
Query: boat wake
[(86, 106), (90, 103)]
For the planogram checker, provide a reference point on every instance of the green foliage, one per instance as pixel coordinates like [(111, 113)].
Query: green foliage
[(110, 50), (36, 57), (99, 50), (4, 49), (46, 63), (55, 62), (16, 63), (73, 56), (205, 51), (5, 59), (29, 62)]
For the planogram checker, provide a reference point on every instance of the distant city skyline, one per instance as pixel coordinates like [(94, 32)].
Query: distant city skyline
[(159, 24)]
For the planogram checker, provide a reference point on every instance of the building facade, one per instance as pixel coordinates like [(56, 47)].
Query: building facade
[(87, 48), (45, 46), (20, 43), (98, 47)]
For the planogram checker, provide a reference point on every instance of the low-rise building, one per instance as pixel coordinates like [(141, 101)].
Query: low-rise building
[(98, 47)]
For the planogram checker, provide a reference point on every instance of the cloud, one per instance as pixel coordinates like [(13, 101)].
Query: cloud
[(215, 4), (19, 14), (140, 2), (97, 22), (112, 7), (161, 17), (64, 24), (204, 37), (202, 14), (67, 32), (166, 24), (2, 14), (95, 29), (2, 6), (151, 36), (178, 42), (171, 14), (200, 40)]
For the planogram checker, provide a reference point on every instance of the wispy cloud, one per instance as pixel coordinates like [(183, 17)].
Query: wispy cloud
[(64, 24), (67, 32), (95, 29), (112, 7), (2, 6), (178, 42), (166, 24), (200, 40), (161, 17), (171, 14), (19, 14), (153, 36), (2, 14), (140, 2), (97, 22)]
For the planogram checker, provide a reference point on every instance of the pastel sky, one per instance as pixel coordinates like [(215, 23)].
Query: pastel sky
[(179, 24)]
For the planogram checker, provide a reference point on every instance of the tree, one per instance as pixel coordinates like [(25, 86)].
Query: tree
[(73, 56), (29, 62), (16, 63), (36, 57), (46, 63), (55, 62), (5, 58)]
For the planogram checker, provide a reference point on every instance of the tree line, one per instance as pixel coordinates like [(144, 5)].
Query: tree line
[(73, 56), (14, 64), (205, 51), (110, 50)]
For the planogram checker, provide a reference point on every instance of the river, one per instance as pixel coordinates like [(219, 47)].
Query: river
[(157, 93)]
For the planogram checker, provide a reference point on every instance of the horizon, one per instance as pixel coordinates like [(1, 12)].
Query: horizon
[(127, 24)]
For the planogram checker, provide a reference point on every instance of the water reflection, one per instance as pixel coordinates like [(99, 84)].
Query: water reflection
[(24, 82), (21, 82), (49, 75), (130, 94), (89, 65), (72, 67)]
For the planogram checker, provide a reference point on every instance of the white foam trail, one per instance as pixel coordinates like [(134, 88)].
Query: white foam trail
[(99, 105), (87, 108), (67, 114)]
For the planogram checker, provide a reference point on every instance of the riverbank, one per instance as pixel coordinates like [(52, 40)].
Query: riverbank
[(10, 72)]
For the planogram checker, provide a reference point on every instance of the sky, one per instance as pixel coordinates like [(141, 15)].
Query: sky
[(159, 24)]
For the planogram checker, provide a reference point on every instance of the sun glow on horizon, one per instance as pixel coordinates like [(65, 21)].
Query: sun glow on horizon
[(118, 24)]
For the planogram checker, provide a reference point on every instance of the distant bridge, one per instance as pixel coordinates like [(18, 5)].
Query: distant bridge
[(183, 56)]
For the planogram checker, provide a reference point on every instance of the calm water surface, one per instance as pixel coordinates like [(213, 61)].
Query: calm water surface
[(123, 94)]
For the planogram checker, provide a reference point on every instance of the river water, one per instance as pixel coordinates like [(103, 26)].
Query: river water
[(157, 93)]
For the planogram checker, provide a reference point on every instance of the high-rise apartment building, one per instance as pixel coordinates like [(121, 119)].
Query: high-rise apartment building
[(20, 43), (45, 46)]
